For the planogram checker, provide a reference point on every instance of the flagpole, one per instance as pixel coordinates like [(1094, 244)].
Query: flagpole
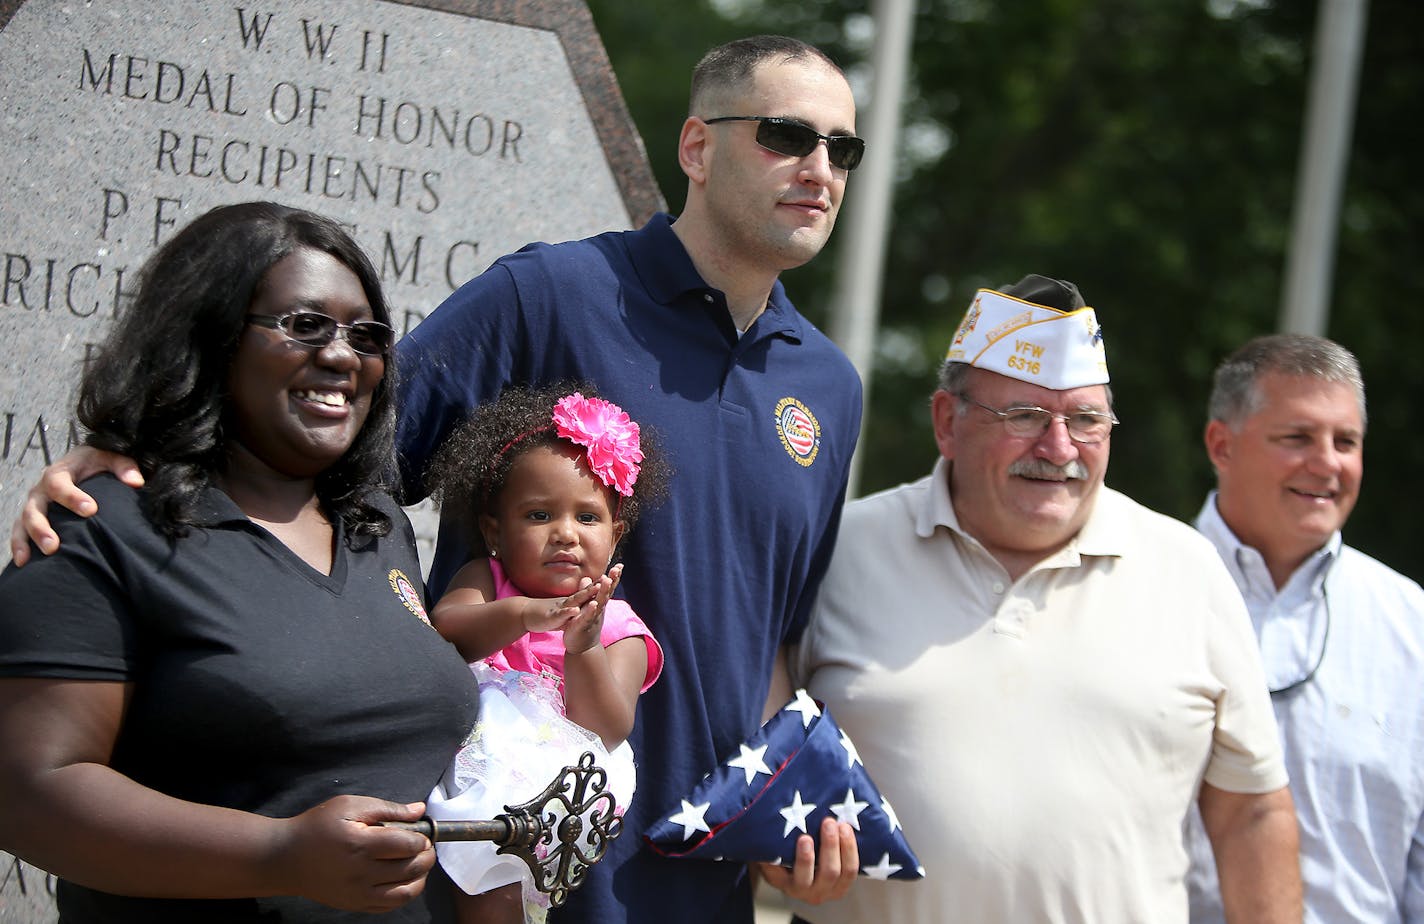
[(855, 308), (1324, 156)]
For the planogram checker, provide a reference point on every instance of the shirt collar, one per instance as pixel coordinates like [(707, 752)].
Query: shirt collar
[(1248, 566), (215, 508), (938, 509), (667, 272), (1108, 531)]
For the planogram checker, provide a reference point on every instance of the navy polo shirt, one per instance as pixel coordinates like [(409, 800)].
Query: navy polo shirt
[(760, 431), (260, 683)]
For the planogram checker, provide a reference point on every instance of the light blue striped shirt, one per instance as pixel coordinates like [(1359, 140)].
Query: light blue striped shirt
[(1353, 732)]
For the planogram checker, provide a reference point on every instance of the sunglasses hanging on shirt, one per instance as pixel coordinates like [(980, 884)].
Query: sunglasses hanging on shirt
[(1319, 659)]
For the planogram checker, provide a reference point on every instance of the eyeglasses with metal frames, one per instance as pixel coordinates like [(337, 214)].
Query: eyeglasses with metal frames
[(796, 139), (1031, 422), (314, 329)]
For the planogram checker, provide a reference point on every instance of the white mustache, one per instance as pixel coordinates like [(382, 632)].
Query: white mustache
[(1047, 471)]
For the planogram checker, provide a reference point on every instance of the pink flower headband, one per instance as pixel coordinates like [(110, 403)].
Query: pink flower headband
[(609, 437)]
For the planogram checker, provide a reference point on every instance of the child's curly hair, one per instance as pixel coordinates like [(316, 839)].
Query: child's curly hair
[(469, 470)]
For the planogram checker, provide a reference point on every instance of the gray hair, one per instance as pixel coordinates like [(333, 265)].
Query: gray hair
[(1235, 392), (952, 376)]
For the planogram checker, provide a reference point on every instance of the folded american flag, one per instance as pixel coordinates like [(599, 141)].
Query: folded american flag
[(797, 769)]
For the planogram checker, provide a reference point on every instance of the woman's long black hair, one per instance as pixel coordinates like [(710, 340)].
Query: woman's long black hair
[(157, 388)]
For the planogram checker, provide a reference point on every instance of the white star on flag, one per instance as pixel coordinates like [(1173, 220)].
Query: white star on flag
[(691, 819), (751, 762), (849, 810), (804, 705), (795, 814), (852, 755), (801, 767), (890, 814), (882, 870)]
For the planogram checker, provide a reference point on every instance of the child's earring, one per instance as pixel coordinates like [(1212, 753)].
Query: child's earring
[(494, 553)]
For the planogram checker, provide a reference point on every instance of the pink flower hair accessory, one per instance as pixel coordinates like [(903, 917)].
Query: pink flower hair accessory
[(607, 434)]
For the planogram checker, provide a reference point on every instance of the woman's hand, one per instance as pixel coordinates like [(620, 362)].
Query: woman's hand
[(64, 809), (59, 483), (337, 853)]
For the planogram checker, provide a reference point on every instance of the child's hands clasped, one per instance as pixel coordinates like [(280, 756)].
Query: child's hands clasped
[(579, 615)]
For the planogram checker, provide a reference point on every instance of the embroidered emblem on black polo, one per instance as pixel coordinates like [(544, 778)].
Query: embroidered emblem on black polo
[(407, 594), (799, 430)]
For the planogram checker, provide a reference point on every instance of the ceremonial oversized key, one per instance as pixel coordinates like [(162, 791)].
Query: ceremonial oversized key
[(558, 834)]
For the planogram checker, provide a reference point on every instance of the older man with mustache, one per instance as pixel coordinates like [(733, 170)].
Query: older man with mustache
[(1042, 675)]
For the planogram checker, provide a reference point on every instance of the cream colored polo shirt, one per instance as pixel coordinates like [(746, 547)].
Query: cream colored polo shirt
[(1040, 740)]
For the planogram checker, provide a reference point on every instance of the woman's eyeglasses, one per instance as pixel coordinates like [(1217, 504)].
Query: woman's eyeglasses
[(313, 329), (794, 139)]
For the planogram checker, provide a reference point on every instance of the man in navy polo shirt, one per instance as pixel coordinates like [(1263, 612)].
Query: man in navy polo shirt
[(685, 324)]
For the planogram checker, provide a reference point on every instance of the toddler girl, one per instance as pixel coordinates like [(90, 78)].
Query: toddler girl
[(548, 481)]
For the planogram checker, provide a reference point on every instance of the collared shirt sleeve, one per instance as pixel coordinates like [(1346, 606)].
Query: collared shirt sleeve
[(66, 615), (1246, 751)]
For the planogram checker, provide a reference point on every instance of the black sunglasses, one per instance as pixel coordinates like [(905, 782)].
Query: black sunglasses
[(795, 139), (313, 329)]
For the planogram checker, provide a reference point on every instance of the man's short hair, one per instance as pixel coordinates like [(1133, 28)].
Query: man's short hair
[(728, 68), (952, 377), (1235, 394)]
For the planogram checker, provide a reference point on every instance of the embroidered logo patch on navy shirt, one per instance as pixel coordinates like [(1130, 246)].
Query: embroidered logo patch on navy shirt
[(407, 593), (799, 430)]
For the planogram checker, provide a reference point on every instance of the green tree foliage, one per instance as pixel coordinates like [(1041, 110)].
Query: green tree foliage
[(1146, 150)]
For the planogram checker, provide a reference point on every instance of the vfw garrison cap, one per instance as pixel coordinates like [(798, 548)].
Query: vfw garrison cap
[(1037, 330)]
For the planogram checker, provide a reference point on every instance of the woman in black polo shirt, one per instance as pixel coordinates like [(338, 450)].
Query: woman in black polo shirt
[(220, 683)]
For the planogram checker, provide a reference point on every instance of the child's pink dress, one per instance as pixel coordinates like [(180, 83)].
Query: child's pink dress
[(522, 740)]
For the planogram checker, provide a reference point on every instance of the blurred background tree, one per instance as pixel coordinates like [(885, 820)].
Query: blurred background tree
[(1144, 149)]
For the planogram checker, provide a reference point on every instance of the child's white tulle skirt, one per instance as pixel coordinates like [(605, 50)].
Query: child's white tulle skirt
[(520, 743)]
